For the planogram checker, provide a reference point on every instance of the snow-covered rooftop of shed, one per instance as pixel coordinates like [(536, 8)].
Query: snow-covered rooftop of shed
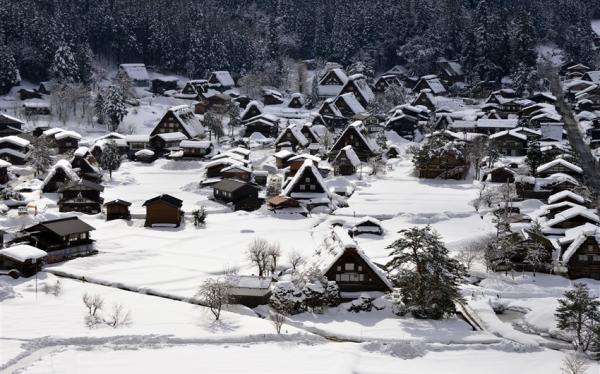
[(15, 140), (559, 162), (565, 194), (23, 252)]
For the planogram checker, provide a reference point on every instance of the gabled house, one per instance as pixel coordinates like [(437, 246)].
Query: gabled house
[(253, 109), (509, 143), (164, 84), (559, 165), (367, 225), (500, 175), (179, 119), (117, 209), (221, 80), (450, 72), (10, 125), (308, 186), (67, 141), (296, 101), (242, 194), (344, 262), (353, 135), (592, 76), (61, 238), (348, 105), (431, 83), (580, 252), (265, 124), (573, 217), (27, 259), (331, 84), (385, 81), (196, 148), (426, 99), (346, 162), (137, 73), (272, 97), (81, 196), (86, 167), (568, 196), (168, 141), (403, 124), (194, 88), (59, 175), (292, 137), (357, 85), (14, 149), (309, 133), (163, 211), (239, 172)]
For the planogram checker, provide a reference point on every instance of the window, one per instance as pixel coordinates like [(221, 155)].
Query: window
[(596, 258), (313, 187), (307, 180), (339, 268), (349, 266), (302, 187), (582, 258)]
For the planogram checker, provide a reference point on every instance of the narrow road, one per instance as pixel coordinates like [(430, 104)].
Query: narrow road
[(582, 150)]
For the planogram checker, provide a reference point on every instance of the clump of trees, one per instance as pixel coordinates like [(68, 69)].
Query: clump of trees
[(264, 256), (578, 314), (118, 316), (111, 157)]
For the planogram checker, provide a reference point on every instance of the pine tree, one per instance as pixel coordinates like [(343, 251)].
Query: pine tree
[(427, 276), (578, 313), (534, 157), (9, 74), (40, 157), (99, 108), (114, 108), (111, 158), (64, 69)]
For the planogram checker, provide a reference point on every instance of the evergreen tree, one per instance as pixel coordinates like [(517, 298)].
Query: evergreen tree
[(524, 51), (64, 69), (428, 277), (99, 108), (114, 108), (40, 157), (534, 157), (9, 74), (578, 313), (111, 158)]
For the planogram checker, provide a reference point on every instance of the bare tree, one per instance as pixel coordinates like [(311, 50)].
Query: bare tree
[(258, 254), (477, 152), (119, 317), (94, 304), (574, 364), (274, 253), (467, 256), (295, 259), (214, 293), (54, 289), (277, 318), (377, 165)]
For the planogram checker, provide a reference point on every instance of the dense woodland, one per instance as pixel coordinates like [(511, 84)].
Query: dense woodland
[(490, 38)]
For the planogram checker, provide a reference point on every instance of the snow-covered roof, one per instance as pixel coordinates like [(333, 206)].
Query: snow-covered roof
[(23, 252), (296, 133), (577, 236), (565, 194), (10, 118), (284, 153), (571, 213), (360, 82), (250, 105), (434, 84), (144, 152), (350, 155), (172, 136), (4, 164), (224, 78), (308, 165), (352, 102), (357, 126), (15, 140), (67, 134), (53, 131), (201, 144), (136, 72), (138, 138), (112, 135), (305, 156), (512, 133), (188, 120), (593, 75), (81, 151), (66, 167), (337, 244), (13, 152), (561, 162)]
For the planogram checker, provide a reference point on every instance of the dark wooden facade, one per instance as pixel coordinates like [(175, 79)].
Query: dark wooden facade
[(353, 274), (81, 196), (243, 195), (585, 263), (163, 210), (117, 209)]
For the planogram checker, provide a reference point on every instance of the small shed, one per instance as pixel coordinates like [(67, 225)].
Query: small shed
[(117, 209), (163, 210), (27, 259), (367, 225), (250, 290)]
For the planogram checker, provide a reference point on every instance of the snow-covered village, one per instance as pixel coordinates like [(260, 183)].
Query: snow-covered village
[(362, 186)]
